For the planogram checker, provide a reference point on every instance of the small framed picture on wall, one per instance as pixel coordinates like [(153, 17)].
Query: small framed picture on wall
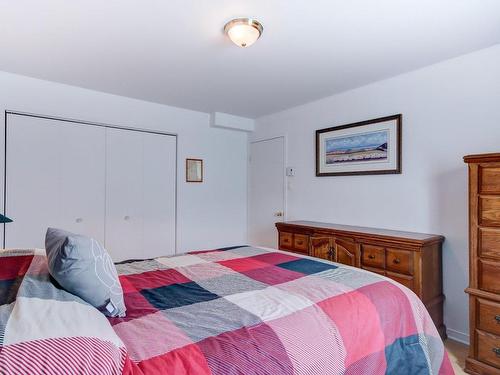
[(194, 170)]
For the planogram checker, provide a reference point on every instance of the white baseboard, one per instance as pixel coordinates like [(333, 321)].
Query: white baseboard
[(457, 336)]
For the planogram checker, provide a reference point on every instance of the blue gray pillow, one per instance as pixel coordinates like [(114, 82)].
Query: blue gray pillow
[(84, 268)]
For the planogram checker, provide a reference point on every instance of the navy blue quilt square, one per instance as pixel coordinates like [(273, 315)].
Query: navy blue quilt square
[(177, 295), (306, 266), (406, 356)]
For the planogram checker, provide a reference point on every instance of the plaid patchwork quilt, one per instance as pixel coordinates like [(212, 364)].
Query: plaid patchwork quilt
[(46, 330), (238, 310), (246, 310)]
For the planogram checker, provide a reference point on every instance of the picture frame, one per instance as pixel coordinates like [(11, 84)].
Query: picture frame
[(194, 170), (362, 148)]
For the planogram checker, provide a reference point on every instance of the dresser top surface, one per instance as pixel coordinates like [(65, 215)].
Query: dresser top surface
[(483, 158), (423, 237)]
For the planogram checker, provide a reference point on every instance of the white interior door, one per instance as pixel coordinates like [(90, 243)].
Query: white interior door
[(266, 190), (55, 177), (140, 194)]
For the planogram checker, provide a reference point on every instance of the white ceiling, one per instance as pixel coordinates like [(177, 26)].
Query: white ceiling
[(174, 51)]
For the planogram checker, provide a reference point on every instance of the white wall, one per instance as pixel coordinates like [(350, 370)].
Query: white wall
[(210, 214), (449, 110)]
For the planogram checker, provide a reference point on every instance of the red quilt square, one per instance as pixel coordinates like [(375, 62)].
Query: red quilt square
[(274, 258), (137, 305), (127, 286), (183, 361), (360, 328), (248, 350), (243, 264), (273, 275), (155, 279), (14, 266)]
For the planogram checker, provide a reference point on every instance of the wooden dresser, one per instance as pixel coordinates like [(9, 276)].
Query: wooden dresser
[(484, 258), (412, 259)]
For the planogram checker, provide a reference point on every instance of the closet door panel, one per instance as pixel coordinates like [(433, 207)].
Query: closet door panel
[(159, 195), (83, 170), (55, 177), (140, 194), (124, 189)]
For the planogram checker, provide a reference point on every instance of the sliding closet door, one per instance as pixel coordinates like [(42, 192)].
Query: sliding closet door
[(55, 176), (140, 194)]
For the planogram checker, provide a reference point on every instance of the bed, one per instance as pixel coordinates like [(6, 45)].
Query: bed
[(237, 310)]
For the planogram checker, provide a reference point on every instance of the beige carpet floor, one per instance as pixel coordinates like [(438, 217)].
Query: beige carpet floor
[(457, 353)]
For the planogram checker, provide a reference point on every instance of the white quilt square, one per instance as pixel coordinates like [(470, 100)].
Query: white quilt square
[(270, 303), (181, 261), (38, 319)]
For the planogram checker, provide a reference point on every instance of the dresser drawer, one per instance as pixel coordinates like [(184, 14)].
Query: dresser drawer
[(489, 276), (301, 243), (489, 243), (488, 348), (399, 261), (489, 213), (488, 316), (286, 240), (490, 180), (407, 281), (373, 256)]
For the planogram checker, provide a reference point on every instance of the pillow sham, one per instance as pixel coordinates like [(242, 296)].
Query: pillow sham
[(84, 268)]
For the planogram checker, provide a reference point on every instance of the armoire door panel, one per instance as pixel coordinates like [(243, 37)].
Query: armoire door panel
[(54, 177), (321, 247), (345, 251)]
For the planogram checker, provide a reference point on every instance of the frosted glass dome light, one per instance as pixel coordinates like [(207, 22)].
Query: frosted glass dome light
[(243, 31)]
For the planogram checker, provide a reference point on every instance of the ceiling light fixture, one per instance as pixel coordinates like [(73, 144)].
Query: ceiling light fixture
[(243, 31)]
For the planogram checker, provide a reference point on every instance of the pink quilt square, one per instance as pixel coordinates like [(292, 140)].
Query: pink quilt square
[(183, 361), (158, 335), (272, 275), (243, 264), (249, 350), (393, 308), (311, 341), (358, 322)]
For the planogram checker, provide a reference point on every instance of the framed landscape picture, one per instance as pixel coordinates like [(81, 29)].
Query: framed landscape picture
[(194, 170), (367, 147)]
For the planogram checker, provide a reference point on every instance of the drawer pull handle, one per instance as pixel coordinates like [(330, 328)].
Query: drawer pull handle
[(497, 318), (300, 242), (371, 256), (397, 261), (496, 351)]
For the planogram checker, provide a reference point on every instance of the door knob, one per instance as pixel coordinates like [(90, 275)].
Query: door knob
[(78, 220), (126, 218), (278, 214)]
